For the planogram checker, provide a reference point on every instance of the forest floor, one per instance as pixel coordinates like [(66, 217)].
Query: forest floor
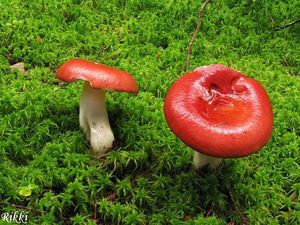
[(46, 168)]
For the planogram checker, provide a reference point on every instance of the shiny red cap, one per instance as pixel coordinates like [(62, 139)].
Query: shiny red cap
[(220, 112), (98, 75)]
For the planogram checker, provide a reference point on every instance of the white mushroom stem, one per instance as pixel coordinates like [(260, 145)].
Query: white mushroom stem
[(94, 120), (201, 160)]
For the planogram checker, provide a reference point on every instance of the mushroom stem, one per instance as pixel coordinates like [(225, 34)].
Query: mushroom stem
[(201, 160), (93, 119)]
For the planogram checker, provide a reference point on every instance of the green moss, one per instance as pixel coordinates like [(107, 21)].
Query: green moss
[(147, 178)]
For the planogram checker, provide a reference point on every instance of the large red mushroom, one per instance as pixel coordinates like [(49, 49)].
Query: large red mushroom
[(93, 116), (220, 113)]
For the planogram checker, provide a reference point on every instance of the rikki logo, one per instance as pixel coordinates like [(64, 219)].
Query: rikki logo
[(19, 217)]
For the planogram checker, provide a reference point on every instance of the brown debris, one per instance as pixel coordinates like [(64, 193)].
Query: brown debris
[(19, 66), (111, 197)]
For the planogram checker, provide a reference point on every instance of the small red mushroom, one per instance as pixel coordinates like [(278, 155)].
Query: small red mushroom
[(220, 113), (93, 116)]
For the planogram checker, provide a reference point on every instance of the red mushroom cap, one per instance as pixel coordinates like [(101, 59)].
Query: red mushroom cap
[(98, 75), (220, 112)]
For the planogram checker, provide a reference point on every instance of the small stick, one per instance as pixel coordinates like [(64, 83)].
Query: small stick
[(209, 211), (199, 15), (287, 25), (22, 207), (234, 203), (95, 211), (272, 19), (244, 219)]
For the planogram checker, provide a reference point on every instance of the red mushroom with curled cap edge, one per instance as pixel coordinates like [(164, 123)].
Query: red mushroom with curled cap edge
[(93, 116), (220, 113)]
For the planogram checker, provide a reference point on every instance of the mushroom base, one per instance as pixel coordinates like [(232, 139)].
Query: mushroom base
[(200, 160), (94, 120)]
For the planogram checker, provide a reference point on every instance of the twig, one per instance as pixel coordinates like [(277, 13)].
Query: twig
[(22, 207), (234, 202), (244, 219), (209, 211), (199, 16), (287, 25), (272, 19), (95, 211)]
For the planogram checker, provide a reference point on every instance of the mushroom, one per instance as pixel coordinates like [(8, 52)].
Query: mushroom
[(93, 116), (220, 113)]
